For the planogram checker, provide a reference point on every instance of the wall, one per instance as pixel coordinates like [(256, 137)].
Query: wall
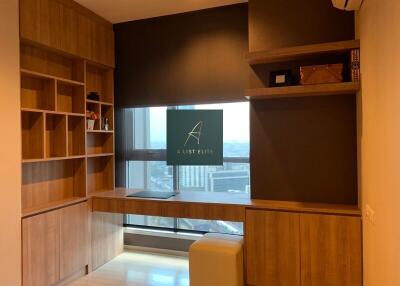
[(380, 139), (183, 58), (302, 149), (10, 149)]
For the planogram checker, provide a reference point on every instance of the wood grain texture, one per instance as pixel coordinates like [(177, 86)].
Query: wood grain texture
[(37, 93), (45, 62), (66, 26), (52, 182), (100, 174), (40, 249), (100, 80), (331, 250), (32, 130), (272, 242), (56, 135), (76, 136), (300, 52), (204, 205), (302, 90), (74, 239), (106, 237), (100, 143), (70, 98)]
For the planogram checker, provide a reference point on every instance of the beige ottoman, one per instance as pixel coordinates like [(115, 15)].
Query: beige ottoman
[(216, 260)]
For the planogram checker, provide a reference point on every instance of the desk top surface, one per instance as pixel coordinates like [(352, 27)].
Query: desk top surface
[(230, 199)]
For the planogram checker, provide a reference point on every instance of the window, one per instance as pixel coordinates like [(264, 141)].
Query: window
[(145, 136)]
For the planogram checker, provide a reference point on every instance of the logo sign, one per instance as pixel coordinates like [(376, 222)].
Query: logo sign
[(194, 137)]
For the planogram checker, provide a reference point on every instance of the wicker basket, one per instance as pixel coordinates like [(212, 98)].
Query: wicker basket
[(318, 74)]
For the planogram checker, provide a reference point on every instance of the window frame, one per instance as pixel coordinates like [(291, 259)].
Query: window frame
[(148, 155)]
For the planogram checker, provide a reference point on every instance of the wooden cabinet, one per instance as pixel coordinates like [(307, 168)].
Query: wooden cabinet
[(288, 248), (40, 249), (331, 250), (54, 245), (272, 248), (66, 26), (74, 239)]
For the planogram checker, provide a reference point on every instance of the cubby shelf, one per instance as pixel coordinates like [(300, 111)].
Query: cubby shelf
[(100, 174), (302, 90), (52, 112), (62, 161), (27, 161), (47, 76), (300, 52)]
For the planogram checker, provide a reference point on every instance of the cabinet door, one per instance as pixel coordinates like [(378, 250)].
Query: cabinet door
[(330, 250), (73, 239), (272, 248), (40, 249)]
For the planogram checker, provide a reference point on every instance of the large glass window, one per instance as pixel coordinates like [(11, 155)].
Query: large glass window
[(146, 163)]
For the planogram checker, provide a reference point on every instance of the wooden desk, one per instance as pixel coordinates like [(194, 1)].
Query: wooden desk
[(202, 205)]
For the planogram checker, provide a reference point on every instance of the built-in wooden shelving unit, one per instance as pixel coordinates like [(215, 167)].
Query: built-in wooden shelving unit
[(302, 90), (62, 161), (299, 53)]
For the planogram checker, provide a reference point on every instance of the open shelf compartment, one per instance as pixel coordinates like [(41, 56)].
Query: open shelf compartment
[(99, 143), (37, 92), (70, 98), (107, 113), (52, 184), (76, 135), (56, 132), (100, 80), (100, 174), (32, 124), (51, 63)]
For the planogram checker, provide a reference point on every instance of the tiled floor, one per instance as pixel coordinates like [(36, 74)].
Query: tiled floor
[(139, 269)]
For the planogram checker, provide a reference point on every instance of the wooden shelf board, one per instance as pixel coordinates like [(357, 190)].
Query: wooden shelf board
[(99, 155), (99, 102), (299, 52), (99, 131), (51, 206), (52, 112), (302, 90), (53, 159), (46, 76)]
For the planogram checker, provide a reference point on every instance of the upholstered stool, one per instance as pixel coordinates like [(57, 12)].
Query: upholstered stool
[(216, 260)]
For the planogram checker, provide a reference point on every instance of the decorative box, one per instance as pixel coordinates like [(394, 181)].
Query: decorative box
[(331, 73)]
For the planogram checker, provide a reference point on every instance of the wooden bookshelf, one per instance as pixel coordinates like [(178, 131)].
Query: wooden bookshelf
[(300, 52), (302, 90), (62, 161)]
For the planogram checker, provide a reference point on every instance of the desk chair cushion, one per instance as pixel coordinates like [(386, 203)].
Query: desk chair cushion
[(216, 260)]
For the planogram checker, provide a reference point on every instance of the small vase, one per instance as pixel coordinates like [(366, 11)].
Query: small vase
[(90, 124)]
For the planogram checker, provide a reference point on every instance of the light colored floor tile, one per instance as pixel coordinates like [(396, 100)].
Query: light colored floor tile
[(139, 269)]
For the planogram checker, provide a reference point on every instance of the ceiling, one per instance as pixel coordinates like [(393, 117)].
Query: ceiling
[(117, 11)]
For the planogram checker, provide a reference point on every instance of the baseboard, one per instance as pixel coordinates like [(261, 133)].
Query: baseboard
[(156, 250)]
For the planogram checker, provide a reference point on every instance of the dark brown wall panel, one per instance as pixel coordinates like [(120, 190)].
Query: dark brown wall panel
[(302, 149), (277, 23), (185, 58)]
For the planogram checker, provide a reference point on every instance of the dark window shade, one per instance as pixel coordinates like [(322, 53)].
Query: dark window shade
[(188, 58)]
